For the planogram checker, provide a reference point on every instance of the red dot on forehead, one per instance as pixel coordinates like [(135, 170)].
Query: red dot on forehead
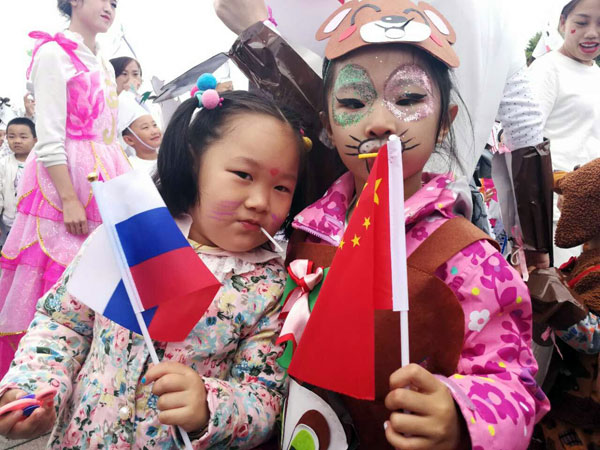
[(274, 172)]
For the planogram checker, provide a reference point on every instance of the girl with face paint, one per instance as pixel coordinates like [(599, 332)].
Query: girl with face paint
[(373, 91)]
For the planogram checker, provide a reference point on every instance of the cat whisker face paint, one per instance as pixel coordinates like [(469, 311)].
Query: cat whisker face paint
[(408, 93)]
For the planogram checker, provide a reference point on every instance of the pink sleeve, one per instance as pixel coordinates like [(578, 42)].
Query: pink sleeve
[(494, 387)]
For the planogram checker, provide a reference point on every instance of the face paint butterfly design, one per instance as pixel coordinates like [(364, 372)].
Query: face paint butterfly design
[(357, 24)]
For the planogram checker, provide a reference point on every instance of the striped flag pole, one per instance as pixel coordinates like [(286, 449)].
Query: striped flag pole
[(398, 242), (132, 292)]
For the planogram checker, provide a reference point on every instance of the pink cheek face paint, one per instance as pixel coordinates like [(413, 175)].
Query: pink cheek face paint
[(408, 94), (573, 31), (223, 210), (277, 221)]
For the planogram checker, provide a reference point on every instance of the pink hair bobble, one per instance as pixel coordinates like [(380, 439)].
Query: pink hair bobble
[(205, 92)]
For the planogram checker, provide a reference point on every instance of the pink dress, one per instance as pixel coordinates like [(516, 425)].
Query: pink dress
[(39, 248)]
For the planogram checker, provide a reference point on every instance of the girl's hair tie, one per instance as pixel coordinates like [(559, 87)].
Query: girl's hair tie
[(308, 144), (206, 93)]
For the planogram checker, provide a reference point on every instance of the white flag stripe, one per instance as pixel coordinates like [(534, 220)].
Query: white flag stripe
[(97, 275), (398, 243), (137, 185), (397, 225)]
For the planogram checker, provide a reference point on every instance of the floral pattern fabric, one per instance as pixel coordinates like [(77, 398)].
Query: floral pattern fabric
[(96, 365), (583, 336), (494, 385)]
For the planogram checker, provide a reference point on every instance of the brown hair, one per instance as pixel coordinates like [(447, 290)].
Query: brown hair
[(568, 9)]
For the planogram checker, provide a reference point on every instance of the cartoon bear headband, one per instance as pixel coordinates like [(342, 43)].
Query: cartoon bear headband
[(359, 23)]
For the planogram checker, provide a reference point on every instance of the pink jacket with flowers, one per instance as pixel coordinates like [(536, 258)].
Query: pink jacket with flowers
[(494, 385)]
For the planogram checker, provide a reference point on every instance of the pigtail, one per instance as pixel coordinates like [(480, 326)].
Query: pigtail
[(177, 174)]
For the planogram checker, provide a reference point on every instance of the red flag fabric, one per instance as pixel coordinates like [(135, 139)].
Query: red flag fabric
[(337, 350)]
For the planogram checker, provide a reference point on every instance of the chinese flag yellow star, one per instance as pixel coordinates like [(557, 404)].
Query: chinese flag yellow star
[(342, 244), (375, 195), (344, 315)]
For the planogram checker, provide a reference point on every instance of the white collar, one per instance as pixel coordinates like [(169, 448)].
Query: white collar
[(255, 256)]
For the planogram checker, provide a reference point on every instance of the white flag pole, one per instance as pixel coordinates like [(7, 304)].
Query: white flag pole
[(132, 292), (398, 242)]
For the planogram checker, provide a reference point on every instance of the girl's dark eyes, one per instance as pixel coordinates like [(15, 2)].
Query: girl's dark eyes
[(282, 189), (350, 103), (242, 175), (114, 5), (410, 99)]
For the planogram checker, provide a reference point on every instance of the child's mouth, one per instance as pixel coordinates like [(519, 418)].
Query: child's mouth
[(589, 47)]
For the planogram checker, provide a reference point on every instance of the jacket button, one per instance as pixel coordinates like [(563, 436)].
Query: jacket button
[(125, 413)]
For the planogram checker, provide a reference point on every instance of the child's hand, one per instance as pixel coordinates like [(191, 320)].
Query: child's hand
[(182, 395), (13, 426), (433, 422), (75, 218)]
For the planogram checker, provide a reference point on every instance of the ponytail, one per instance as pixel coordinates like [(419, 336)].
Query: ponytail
[(177, 170)]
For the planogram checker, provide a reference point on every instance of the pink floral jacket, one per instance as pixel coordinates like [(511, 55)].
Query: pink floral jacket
[(494, 385), (97, 366)]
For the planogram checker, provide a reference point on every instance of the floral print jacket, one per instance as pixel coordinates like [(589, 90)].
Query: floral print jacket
[(494, 385), (96, 365)]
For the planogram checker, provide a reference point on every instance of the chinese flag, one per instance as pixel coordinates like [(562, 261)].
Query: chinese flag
[(337, 350)]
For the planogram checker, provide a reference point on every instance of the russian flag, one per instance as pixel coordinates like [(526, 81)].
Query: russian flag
[(174, 286)]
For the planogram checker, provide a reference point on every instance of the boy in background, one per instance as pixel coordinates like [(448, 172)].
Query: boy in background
[(21, 138), (140, 132)]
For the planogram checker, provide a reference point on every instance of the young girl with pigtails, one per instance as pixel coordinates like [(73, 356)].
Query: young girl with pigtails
[(388, 71), (76, 103), (230, 171)]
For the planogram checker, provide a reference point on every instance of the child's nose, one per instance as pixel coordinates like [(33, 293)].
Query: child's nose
[(380, 123), (258, 200)]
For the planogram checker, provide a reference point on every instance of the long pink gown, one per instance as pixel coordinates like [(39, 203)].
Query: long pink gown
[(39, 248)]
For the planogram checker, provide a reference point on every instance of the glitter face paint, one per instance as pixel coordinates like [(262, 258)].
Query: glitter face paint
[(408, 94), (353, 85), (224, 210)]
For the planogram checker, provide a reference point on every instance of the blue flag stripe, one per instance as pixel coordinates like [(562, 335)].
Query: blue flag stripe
[(149, 234), (120, 311)]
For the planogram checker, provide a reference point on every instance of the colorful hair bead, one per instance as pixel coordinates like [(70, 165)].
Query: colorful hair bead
[(206, 81), (205, 92)]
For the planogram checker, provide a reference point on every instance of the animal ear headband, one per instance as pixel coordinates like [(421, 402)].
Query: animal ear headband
[(359, 23)]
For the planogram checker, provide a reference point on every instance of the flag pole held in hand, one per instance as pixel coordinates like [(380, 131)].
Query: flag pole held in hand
[(398, 242)]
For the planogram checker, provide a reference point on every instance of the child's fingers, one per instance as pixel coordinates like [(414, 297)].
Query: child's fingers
[(411, 424), (8, 421), (162, 369), (11, 395), (40, 422), (169, 383), (415, 376), (177, 416), (405, 399), (173, 400), (399, 441)]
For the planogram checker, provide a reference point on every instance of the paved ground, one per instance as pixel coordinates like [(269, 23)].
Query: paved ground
[(37, 444)]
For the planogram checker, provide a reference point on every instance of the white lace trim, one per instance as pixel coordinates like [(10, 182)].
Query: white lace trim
[(222, 263)]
